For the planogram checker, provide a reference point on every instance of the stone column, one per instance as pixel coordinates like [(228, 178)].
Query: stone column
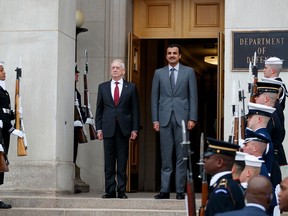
[(42, 33)]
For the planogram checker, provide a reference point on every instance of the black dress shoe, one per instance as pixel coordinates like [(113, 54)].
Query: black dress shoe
[(180, 196), (4, 205), (109, 195), (162, 195), (122, 196)]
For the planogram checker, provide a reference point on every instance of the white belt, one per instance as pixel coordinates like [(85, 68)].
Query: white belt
[(7, 111)]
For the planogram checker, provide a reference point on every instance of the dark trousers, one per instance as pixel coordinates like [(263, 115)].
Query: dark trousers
[(116, 156), (6, 137)]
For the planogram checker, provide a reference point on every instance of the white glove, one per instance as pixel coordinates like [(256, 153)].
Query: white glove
[(76, 103), (20, 111), (18, 133), (78, 123), (89, 121), (1, 124), (1, 148)]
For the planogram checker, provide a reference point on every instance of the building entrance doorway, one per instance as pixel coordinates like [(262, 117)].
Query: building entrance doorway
[(150, 57)]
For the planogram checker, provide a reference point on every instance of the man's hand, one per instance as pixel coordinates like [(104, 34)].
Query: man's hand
[(89, 121), (1, 124), (156, 126), (191, 124), (133, 135), (78, 123), (100, 135), (18, 133)]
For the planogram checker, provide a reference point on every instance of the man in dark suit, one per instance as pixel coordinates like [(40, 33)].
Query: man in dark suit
[(225, 194), (173, 99), (258, 197), (6, 116), (117, 121)]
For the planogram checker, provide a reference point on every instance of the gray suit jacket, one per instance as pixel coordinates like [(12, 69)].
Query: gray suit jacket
[(184, 100)]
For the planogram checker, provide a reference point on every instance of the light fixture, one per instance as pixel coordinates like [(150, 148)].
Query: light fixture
[(79, 18), (211, 60)]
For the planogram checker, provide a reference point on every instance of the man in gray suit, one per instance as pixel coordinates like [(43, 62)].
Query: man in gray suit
[(173, 99)]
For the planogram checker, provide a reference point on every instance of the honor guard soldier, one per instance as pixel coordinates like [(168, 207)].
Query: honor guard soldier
[(238, 166), (6, 116), (258, 198), (274, 88), (225, 194), (267, 94), (252, 168), (256, 144), (257, 120), (272, 69)]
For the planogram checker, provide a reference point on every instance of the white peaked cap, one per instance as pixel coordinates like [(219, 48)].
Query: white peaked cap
[(240, 156), (273, 60), (253, 161), (2, 63), (272, 80), (260, 109)]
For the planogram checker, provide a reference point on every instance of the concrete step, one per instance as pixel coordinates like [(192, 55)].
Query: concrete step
[(139, 204)]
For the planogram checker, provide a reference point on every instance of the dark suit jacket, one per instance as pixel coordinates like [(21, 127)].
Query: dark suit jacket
[(248, 210), (126, 112)]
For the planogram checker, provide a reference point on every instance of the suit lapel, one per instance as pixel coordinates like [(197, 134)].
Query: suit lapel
[(167, 78), (107, 91), (124, 91)]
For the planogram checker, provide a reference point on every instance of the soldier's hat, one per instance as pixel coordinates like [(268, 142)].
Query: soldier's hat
[(268, 86), (220, 147), (2, 63), (253, 161), (273, 61), (259, 109), (251, 135), (240, 156)]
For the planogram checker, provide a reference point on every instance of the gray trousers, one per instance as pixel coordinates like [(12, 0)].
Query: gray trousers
[(170, 139)]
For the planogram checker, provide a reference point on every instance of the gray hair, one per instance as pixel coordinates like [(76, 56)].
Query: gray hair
[(119, 61)]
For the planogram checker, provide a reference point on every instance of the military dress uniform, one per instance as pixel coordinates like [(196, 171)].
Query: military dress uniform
[(6, 116), (225, 194)]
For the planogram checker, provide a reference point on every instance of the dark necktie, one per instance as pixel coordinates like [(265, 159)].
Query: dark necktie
[(172, 78), (116, 94)]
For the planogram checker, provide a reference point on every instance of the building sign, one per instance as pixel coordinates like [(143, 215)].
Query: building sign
[(266, 44)]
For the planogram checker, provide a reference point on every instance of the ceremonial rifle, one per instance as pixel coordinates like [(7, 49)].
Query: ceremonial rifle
[(190, 197), (242, 116), (239, 119), (19, 123), (80, 130), (87, 108), (204, 178), (252, 87), (233, 136)]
